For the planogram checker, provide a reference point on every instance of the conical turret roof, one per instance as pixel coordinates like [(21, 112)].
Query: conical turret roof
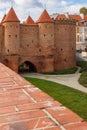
[(11, 16), (3, 18), (29, 20), (45, 17)]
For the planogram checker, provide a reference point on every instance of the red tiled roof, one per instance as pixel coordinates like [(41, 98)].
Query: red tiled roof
[(45, 17), (76, 17), (61, 16), (85, 17), (3, 18), (11, 16), (29, 20)]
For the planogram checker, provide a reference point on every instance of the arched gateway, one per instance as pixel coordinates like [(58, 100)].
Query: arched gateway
[(27, 66)]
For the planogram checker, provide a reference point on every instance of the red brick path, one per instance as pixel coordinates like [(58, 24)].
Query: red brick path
[(25, 107)]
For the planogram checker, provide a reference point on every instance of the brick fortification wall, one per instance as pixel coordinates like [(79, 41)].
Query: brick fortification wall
[(65, 44), (48, 45)]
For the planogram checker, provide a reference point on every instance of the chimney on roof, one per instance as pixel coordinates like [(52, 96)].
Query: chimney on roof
[(82, 16), (67, 15)]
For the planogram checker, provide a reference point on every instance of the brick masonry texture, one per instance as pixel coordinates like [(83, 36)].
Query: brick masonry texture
[(25, 107), (48, 45)]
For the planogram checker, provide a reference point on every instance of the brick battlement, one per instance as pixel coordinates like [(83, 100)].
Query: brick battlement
[(66, 21)]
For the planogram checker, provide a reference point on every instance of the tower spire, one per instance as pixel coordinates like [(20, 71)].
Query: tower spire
[(12, 3)]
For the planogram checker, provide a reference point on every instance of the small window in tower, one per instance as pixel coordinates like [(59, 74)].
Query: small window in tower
[(51, 35), (65, 60), (72, 48), (32, 41), (16, 35), (27, 45), (9, 35), (61, 49), (8, 50), (39, 50), (44, 35)]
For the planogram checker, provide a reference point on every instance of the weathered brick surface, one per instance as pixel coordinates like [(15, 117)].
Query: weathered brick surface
[(64, 115), (77, 126), (25, 107)]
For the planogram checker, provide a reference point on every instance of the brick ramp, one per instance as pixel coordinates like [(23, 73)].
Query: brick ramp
[(25, 107)]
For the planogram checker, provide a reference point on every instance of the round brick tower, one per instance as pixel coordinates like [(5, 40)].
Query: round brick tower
[(65, 43), (46, 40), (11, 25)]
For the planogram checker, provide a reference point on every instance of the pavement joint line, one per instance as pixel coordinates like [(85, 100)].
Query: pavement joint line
[(4, 89), (54, 120), (43, 128), (29, 96), (16, 108), (72, 123)]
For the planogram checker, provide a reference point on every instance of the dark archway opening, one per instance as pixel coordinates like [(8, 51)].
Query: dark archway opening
[(27, 67)]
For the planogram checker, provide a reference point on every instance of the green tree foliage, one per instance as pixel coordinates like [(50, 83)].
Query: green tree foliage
[(83, 10)]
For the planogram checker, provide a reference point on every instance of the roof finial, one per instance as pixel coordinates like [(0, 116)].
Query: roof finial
[(5, 10), (45, 6), (12, 3), (29, 13)]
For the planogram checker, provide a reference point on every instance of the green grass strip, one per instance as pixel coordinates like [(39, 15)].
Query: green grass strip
[(69, 97), (83, 65), (83, 79), (66, 71)]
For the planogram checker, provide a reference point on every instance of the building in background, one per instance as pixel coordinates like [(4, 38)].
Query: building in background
[(81, 28)]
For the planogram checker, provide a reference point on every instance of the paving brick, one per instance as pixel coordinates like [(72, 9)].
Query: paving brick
[(38, 95), (3, 74), (4, 127), (6, 80), (39, 105), (6, 110), (21, 116), (40, 123), (77, 126), (53, 128), (13, 97), (1, 90), (64, 115)]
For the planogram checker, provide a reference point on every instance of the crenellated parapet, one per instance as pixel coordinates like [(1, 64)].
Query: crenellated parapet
[(65, 21)]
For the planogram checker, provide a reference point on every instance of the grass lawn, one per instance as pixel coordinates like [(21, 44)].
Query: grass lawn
[(71, 98), (83, 79), (66, 71), (83, 65)]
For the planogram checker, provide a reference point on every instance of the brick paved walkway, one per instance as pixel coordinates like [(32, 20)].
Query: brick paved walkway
[(25, 107)]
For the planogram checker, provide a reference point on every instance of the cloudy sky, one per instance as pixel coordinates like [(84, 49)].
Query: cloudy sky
[(34, 8)]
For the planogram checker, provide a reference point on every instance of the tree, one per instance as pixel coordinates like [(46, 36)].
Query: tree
[(83, 10)]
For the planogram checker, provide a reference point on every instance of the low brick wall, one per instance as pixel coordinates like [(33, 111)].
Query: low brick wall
[(25, 107)]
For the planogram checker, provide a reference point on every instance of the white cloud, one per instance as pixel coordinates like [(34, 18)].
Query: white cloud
[(35, 7), (63, 3)]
